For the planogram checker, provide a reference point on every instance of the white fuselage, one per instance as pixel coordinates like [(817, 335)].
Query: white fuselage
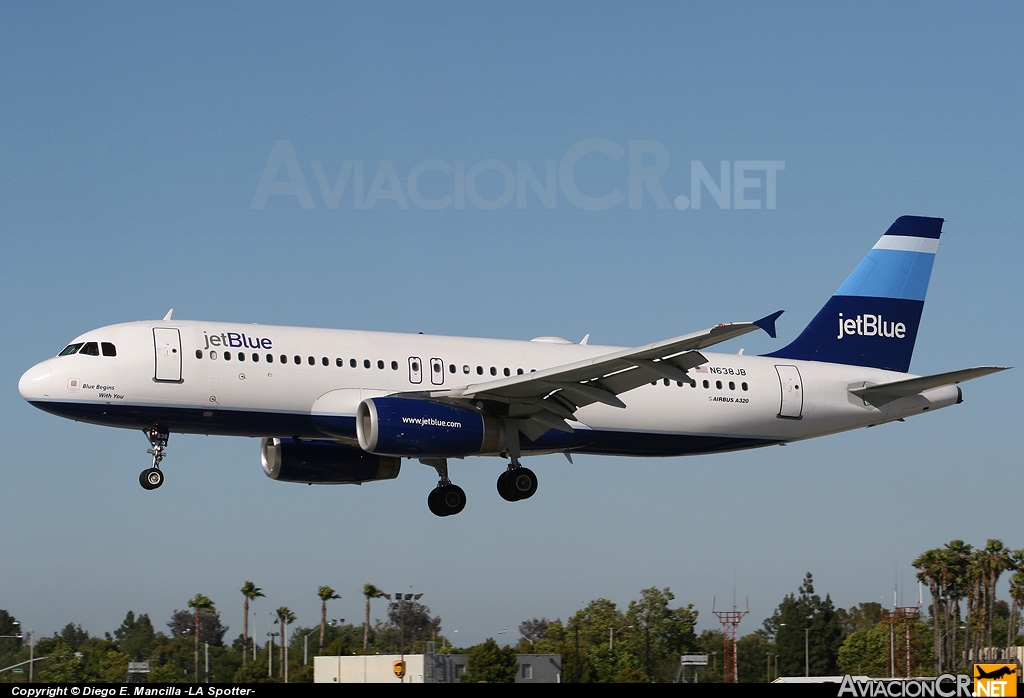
[(271, 381)]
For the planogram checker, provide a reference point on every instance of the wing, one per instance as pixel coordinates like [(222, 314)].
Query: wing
[(544, 400)]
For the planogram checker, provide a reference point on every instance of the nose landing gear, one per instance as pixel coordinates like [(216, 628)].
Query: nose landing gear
[(153, 477)]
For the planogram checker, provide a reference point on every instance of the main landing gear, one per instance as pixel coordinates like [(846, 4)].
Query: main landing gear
[(446, 499), (517, 482), (153, 477)]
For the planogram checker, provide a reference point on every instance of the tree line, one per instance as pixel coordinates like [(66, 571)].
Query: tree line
[(599, 643)]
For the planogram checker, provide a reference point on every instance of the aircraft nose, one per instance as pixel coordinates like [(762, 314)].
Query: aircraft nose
[(35, 383)]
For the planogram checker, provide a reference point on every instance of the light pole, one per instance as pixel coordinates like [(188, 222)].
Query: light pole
[(611, 635), (305, 647), (942, 644), (31, 647), (401, 601), (807, 652), (270, 653)]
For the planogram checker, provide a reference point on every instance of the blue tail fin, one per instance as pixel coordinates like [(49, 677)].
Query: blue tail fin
[(872, 319)]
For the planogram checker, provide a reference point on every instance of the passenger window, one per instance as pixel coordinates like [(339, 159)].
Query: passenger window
[(451, 368), (227, 356), (352, 363), (325, 361), (706, 384), (394, 365), (70, 349), (311, 361), (366, 363), (270, 358), (743, 385), (667, 381), (297, 359), (340, 363), (732, 386), (508, 372), (108, 349), (479, 370), (199, 353), (241, 356), (465, 369), (255, 358), (519, 371), (380, 364), (494, 371), (213, 354), (284, 359), (718, 384)]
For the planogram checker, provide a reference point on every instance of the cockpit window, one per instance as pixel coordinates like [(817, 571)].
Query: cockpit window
[(70, 349), (108, 349), (90, 349)]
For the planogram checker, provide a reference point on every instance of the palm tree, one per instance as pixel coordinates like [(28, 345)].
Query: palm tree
[(370, 592), (957, 561), (929, 565), (988, 564), (251, 592), (199, 603), (1016, 600), (284, 617), (325, 594)]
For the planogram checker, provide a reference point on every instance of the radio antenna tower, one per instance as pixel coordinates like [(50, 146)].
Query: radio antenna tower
[(730, 621)]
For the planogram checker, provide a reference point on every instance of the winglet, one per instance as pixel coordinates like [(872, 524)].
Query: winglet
[(767, 323)]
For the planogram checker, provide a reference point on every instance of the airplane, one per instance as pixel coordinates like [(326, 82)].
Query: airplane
[(345, 407)]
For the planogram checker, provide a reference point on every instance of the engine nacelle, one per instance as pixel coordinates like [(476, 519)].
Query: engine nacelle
[(411, 428), (324, 463)]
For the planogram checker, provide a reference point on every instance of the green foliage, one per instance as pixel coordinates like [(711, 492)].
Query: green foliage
[(488, 663), (866, 652), (62, 666), (807, 632), (136, 636), (754, 655), (74, 635)]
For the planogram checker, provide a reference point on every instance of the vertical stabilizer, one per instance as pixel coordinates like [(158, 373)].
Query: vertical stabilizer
[(872, 320)]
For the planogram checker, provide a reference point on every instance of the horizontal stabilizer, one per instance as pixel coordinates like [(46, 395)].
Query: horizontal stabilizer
[(887, 392)]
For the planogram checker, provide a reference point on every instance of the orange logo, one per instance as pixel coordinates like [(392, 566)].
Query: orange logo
[(995, 680)]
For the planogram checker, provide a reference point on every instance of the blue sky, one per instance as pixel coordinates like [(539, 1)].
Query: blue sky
[(133, 141)]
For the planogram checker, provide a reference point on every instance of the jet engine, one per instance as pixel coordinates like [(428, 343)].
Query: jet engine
[(324, 463), (412, 428)]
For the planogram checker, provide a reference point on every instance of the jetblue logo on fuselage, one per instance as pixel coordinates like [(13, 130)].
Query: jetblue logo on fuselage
[(238, 340), (870, 326)]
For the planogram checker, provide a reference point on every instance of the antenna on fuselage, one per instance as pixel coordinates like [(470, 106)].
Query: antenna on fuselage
[(169, 313)]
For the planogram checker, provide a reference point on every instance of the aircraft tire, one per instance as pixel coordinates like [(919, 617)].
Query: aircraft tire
[(522, 483), (151, 478), (505, 487), (451, 500)]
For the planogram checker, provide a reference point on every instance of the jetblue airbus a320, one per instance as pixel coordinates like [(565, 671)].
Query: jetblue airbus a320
[(339, 406)]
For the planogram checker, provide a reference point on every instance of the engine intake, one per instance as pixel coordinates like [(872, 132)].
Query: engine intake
[(324, 463), (411, 428)]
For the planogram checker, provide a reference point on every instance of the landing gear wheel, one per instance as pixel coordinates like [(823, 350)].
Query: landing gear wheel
[(151, 478), (523, 483), (505, 487), (517, 483), (446, 500)]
